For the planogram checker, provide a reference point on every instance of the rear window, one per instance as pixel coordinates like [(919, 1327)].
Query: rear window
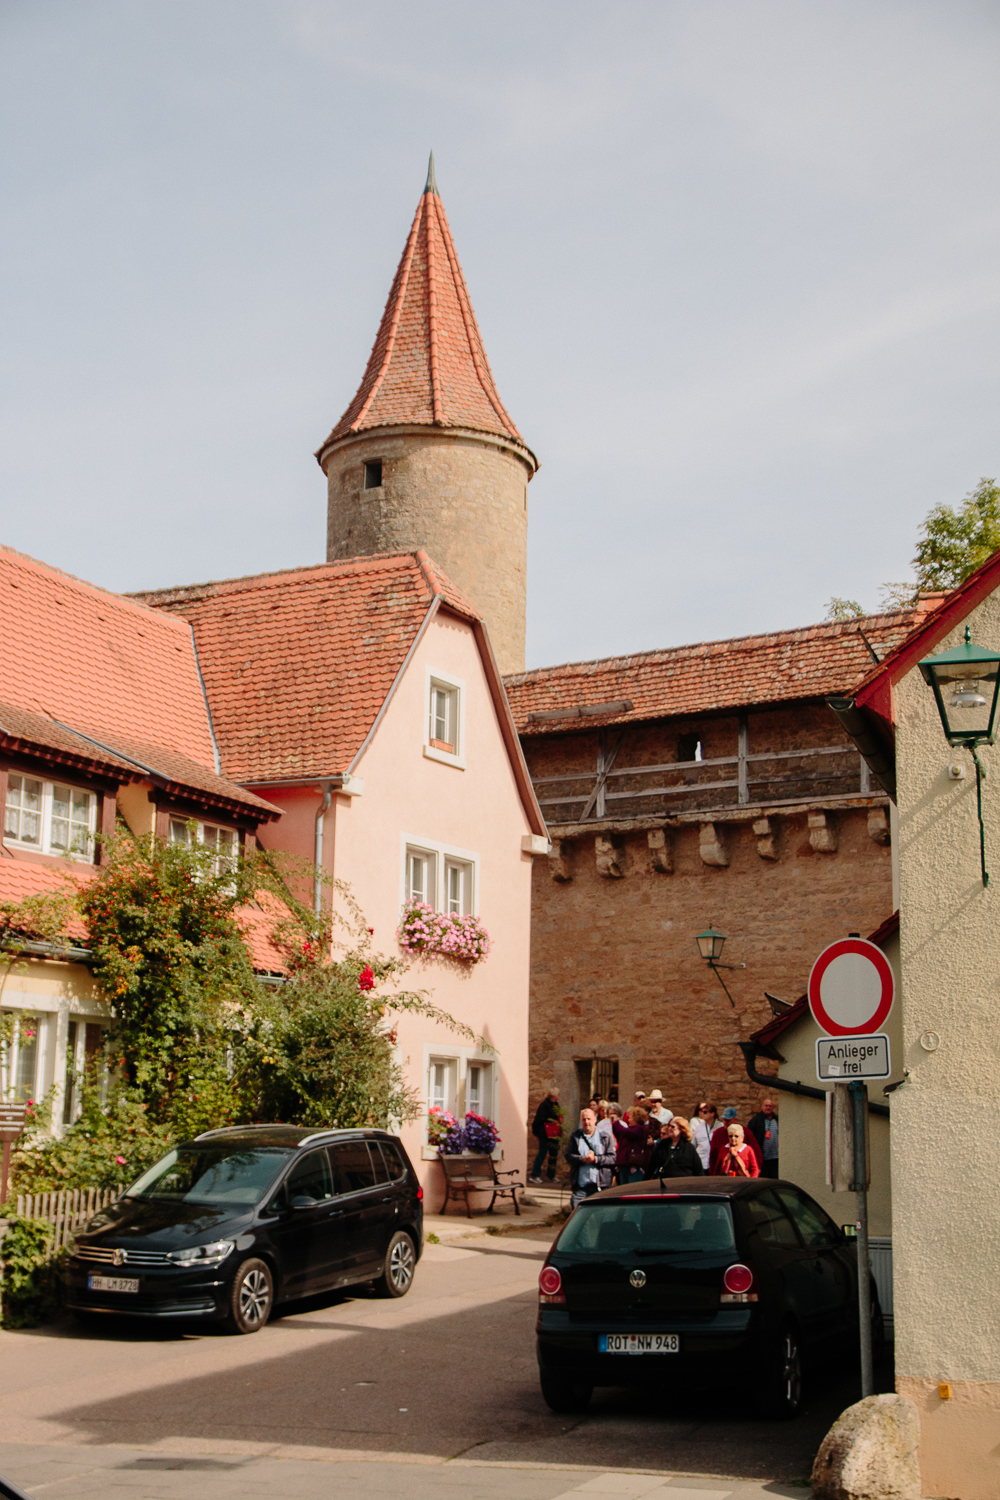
[(675, 1225)]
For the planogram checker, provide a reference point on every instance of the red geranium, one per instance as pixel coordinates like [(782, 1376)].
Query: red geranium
[(366, 979)]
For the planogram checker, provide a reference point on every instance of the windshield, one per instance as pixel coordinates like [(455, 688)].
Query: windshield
[(212, 1174), (677, 1226)]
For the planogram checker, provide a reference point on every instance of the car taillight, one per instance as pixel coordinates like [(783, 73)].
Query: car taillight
[(420, 1195), (550, 1285), (737, 1281)]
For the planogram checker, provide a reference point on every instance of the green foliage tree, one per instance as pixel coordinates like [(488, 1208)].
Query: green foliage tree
[(954, 543), (843, 609)]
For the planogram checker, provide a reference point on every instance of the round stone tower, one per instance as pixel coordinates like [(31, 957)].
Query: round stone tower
[(426, 455)]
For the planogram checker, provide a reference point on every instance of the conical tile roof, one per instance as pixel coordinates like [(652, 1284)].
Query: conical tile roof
[(428, 366)]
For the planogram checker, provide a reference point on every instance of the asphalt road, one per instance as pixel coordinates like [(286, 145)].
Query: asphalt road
[(445, 1377)]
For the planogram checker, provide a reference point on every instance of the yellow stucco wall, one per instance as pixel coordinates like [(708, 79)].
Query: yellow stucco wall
[(803, 1123), (946, 1118)]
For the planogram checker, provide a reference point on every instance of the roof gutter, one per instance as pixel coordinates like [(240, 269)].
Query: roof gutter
[(870, 744), (786, 1086)]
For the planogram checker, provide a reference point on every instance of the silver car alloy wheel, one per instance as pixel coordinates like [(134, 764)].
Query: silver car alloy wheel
[(401, 1264), (255, 1298), (791, 1370)]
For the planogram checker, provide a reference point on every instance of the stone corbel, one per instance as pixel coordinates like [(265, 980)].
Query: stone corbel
[(710, 844), (822, 833), (878, 826), (766, 847), (661, 855), (560, 866), (610, 858)]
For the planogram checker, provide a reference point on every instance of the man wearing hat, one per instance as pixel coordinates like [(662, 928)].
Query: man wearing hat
[(720, 1140), (658, 1110)]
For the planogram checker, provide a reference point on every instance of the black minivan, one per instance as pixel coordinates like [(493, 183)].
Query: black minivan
[(687, 1280), (228, 1224)]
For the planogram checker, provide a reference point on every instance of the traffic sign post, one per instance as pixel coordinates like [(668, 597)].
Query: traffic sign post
[(851, 992)]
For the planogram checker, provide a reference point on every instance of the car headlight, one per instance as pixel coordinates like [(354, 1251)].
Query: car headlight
[(202, 1255)]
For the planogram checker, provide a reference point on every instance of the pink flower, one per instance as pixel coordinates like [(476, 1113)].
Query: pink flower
[(120, 1160)]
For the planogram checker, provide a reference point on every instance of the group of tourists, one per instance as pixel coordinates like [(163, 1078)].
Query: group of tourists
[(615, 1146)]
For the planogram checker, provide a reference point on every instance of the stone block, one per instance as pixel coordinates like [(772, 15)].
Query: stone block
[(661, 854), (560, 862), (878, 826), (710, 845), (870, 1452), (766, 844), (822, 833), (610, 858)]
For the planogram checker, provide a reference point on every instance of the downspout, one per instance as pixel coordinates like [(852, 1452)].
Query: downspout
[(318, 848), (804, 1090)]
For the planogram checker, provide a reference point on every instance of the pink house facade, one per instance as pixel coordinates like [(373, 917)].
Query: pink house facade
[(362, 699)]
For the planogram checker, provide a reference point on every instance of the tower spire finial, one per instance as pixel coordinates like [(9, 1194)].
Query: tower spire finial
[(430, 186)]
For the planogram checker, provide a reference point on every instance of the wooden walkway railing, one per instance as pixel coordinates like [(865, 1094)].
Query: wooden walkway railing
[(65, 1210)]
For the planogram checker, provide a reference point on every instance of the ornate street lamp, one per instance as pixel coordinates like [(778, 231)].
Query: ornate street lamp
[(966, 685), (709, 944)]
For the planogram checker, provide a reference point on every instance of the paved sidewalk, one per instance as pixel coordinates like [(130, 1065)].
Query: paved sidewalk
[(132, 1474)]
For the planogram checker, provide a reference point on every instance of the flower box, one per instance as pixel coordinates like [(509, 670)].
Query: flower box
[(424, 930)]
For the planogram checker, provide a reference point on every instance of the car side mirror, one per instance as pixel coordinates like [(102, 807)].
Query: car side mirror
[(303, 1201), (849, 1231)]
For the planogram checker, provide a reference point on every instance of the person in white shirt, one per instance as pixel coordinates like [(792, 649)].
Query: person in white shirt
[(658, 1110), (704, 1123)]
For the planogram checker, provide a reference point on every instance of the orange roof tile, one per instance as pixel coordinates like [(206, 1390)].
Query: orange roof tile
[(97, 661), (298, 663), (756, 669), (20, 878), (428, 365)]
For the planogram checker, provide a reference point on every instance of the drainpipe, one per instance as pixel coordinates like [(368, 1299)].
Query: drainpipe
[(785, 1085), (318, 849)]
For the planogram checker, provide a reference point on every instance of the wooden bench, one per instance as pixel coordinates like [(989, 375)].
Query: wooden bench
[(471, 1174)]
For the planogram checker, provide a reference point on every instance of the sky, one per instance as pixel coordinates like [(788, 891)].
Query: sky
[(735, 263)]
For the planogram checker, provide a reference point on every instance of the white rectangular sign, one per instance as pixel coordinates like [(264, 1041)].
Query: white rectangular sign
[(841, 1058)]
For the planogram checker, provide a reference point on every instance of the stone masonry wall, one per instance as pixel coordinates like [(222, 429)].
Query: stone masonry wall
[(462, 499)]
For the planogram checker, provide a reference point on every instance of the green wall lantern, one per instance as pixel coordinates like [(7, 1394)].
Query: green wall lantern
[(966, 685), (709, 944)]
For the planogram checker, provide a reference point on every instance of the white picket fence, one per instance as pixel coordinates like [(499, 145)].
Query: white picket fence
[(65, 1210)]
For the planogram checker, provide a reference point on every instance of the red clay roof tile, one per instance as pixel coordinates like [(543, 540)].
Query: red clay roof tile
[(297, 664), (428, 365), (756, 669)]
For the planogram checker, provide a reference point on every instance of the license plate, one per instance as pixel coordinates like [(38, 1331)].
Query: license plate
[(639, 1343), (113, 1283)]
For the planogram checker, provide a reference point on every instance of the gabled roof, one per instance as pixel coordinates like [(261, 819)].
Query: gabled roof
[(428, 366), (811, 662), (299, 665), (101, 682), (873, 694), (768, 1034)]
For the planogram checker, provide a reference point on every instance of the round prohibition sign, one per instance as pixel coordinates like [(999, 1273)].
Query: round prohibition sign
[(851, 988)]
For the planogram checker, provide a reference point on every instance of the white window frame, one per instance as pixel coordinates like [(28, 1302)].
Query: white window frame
[(10, 1055), (436, 678), (443, 856), (460, 1059), (44, 846), (220, 860)]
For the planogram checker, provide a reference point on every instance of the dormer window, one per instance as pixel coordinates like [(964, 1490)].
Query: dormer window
[(445, 732), (224, 841), (373, 474), (49, 818)]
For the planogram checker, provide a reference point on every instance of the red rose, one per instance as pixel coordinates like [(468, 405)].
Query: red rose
[(366, 979)]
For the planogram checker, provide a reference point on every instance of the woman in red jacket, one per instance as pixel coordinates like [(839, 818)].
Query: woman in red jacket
[(736, 1159)]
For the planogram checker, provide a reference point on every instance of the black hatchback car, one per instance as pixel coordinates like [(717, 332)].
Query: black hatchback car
[(683, 1280), (236, 1220)]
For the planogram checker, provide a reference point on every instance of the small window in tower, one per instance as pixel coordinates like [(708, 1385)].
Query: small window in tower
[(688, 747), (373, 474)]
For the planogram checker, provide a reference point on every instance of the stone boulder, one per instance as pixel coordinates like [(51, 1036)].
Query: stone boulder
[(870, 1452)]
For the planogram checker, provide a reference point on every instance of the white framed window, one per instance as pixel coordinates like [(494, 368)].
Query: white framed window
[(442, 1083), (22, 1060), (49, 817), (440, 875), (479, 1088), (444, 726), (224, 840)]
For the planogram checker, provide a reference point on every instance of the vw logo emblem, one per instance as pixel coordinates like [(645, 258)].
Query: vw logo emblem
[(638, 1278), (119, 1257)]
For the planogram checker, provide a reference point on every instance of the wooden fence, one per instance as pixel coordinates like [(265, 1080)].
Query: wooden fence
[(65, 1210)]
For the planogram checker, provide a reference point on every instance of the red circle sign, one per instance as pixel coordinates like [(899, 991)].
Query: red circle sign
[(851, 988)]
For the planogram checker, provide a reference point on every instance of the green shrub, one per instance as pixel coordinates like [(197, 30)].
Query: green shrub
[(107, 1146), (29, 1292)]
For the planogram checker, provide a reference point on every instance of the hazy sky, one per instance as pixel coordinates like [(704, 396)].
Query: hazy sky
[(735, 264)]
